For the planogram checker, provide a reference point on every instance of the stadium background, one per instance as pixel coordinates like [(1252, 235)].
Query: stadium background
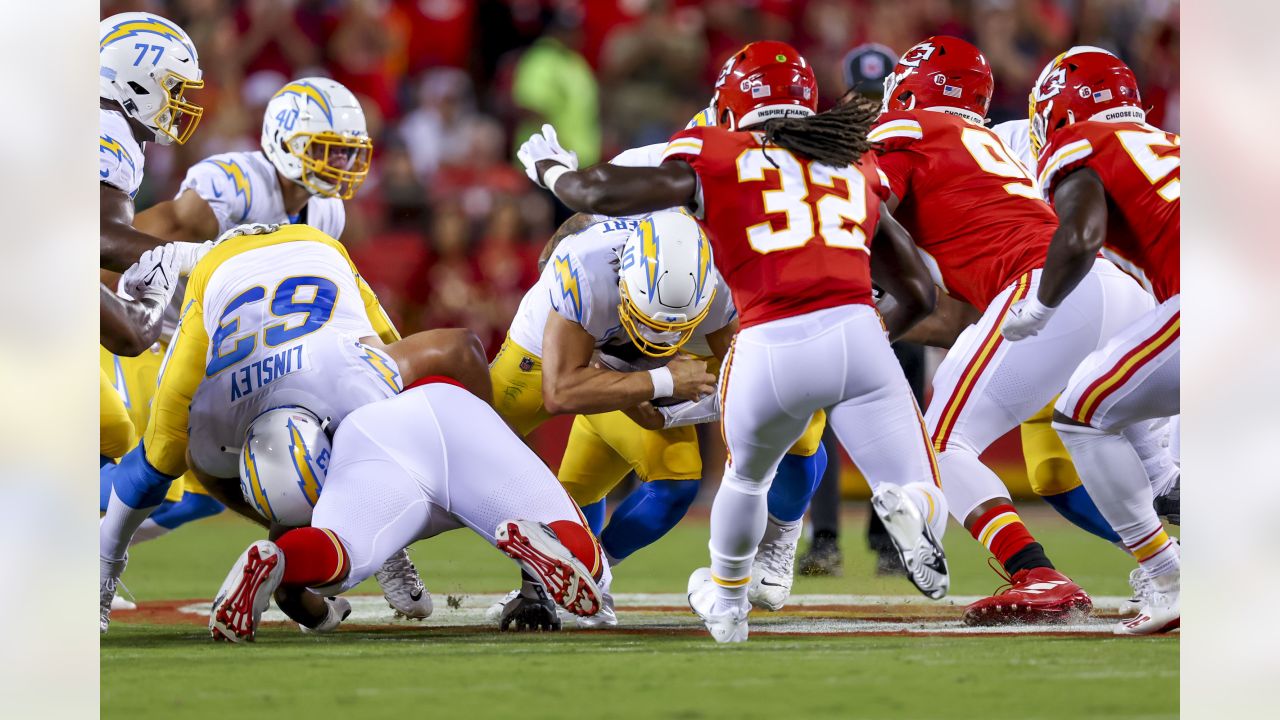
[(447, 229)]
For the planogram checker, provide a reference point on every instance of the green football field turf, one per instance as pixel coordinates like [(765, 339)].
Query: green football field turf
[(173, 670)]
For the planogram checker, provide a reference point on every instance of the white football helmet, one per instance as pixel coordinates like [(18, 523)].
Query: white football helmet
[(314, 133), (283, 464), (147, 64), (666, 281)]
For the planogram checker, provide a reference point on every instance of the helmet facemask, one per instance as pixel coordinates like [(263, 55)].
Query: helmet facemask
[(333, 165), (178, 117), (654, 337)]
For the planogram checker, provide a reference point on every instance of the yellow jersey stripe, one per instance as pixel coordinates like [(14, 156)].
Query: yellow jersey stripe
[(1068, 153)]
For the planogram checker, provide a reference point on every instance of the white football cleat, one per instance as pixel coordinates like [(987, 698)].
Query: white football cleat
[(606, 618), (403, 589), (1142, 590), (920, 552), (339, 608), (109, 577), (1162, 611), (773, 570), (246, 593), (725, 627), (541, 554)]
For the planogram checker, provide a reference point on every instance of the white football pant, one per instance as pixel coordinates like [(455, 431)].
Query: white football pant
[(432, 459), (776, 375)]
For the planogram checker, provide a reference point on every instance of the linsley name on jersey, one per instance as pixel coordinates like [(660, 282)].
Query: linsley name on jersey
[(266, 370)]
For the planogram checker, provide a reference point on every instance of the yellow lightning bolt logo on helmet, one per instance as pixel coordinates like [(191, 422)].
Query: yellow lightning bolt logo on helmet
[(704, 261), (649, 253), (237, 177), (255, 482), (303, 464), (133, 28), (309, 92)]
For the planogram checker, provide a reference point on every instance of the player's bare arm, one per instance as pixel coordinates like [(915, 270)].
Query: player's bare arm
[(127, 328), (575, 224), (613, 190), (188, 217), (649, 417), (121, 243), (1081, 203), (897, 268), (452, 352), (570, 384), (941, 328)]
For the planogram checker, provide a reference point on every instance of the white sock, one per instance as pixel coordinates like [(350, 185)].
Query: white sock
[(931, 503), (148, 530), (118, 526), (1149, 440), (1116, 480), (738, 518)]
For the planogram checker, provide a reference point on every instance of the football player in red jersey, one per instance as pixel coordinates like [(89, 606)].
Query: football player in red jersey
[(1115, 183), (791, 199), (976, 214)]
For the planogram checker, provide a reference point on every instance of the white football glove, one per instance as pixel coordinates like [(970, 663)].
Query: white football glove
[(545, 146), (1026, 319), (248, 229), (154, 276), (189, 253)]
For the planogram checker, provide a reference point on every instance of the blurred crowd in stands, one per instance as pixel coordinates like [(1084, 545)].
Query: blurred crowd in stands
[(448, 229)]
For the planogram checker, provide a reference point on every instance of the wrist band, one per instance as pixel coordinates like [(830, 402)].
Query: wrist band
[(663, 383), (550, 177)]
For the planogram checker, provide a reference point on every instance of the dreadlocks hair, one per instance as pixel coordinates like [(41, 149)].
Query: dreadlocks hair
[(836, 137)]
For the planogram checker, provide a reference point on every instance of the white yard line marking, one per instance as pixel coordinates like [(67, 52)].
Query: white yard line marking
[(470, 611)]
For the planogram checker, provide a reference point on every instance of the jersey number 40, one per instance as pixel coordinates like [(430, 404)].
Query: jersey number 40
[(835, 212)]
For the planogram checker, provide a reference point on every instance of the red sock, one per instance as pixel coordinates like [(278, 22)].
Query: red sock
[(1002, 532), (581, 543), (313, 557)]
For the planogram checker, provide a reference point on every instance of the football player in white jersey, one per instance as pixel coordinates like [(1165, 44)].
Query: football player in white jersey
[(433, 459), (146, 65), (272, 316), (315, 154)]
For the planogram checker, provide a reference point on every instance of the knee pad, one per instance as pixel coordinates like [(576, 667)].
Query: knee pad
[(793, 487), (743, 484), (136, 482), (192, 506)]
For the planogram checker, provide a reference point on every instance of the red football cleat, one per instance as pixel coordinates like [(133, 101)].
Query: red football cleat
[(1035, 596)]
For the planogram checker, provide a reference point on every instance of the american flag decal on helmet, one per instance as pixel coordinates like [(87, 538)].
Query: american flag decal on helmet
[(952, 91)]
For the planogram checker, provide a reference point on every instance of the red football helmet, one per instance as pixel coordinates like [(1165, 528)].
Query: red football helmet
[(1083, 83), (942, 71), (764, 80)]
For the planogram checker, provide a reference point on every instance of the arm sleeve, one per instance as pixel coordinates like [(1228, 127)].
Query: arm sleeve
[(165, 439), (224, 186), (646, 156), (1068, 152), (897, 136), (570, 293), (116, 165)]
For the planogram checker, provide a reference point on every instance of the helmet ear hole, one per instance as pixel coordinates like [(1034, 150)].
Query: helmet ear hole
[(138, 89)]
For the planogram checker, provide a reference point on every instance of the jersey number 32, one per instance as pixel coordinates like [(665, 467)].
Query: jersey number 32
[(835, 212)]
